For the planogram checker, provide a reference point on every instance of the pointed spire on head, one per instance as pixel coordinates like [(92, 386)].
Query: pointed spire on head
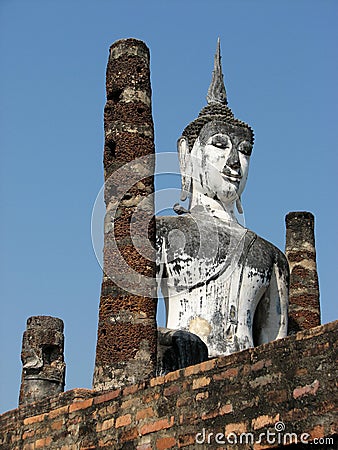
[(216, 91), (217, 108)]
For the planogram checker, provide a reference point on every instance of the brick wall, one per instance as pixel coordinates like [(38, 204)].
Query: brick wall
[(291, 380)]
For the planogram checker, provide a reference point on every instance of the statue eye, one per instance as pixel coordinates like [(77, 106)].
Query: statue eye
[(245, 148), (220, 142)]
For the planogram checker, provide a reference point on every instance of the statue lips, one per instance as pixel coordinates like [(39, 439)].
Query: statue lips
[(234, 177)]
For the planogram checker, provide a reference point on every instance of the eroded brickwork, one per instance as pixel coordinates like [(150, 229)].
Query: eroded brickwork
[(304, 307), (126, 344), (292, 380)]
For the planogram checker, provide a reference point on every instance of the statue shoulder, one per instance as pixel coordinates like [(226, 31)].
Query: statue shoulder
[(184, 223), (262, 251), (194, 228), (168, 223)]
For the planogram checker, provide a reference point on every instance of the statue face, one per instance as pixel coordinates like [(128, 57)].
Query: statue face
[(220, 161)]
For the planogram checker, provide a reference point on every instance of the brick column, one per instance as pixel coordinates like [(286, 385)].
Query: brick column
[(126, 342), (304, 307), (43, 367)]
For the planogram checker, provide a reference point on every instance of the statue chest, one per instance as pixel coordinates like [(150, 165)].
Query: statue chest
[(212, 280), (226, 296), (220, 311)]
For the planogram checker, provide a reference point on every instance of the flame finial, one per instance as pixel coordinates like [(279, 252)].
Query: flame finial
[(216, 91)]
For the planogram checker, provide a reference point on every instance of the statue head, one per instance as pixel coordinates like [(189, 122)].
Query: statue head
[(214, 150), (43, 367)]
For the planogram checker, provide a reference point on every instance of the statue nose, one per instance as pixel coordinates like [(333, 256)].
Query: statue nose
[(233, 160)]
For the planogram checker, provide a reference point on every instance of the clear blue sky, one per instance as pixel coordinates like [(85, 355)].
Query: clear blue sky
[(280, 65)]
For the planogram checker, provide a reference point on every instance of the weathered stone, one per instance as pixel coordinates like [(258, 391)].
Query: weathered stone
[(43, 367), (126, 343)]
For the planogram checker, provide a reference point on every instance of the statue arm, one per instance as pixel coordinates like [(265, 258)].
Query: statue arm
[(280, 291), (161, 271), (271, 315)]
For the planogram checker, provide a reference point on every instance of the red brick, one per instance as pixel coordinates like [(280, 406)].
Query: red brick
[(172, 376), (122, 421), (80, 405), (210, 414), (108, 410), (132, 389), (34, 419), (129, 435), (162, 424), (208, 365), (28, 446), (170, 390), (310, 389), (192, 370), (57, 425), (28, 434), (229, 373), (186, 439), (202, 395), (106, 397), (165, 442), (145, 413), (156, 381), (226, 409), (263, 421), (257, 366), (57, 412), (43, 443), (201, 382), (105, 425), (261, 364), (237, 428), (317, 432)]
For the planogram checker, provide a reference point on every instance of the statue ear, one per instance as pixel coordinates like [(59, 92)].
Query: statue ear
[(185, 166), (239, 205)]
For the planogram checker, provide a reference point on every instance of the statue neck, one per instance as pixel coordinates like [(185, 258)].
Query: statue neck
[(213, 207)]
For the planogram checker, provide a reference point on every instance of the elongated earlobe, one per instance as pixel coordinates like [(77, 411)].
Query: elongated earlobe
[(185, 166), (239, 205)]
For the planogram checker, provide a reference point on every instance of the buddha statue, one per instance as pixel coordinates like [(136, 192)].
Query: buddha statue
[(225, 288)]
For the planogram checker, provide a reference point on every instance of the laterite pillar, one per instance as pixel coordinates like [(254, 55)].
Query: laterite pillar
[(304, 307), (126, 343)]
